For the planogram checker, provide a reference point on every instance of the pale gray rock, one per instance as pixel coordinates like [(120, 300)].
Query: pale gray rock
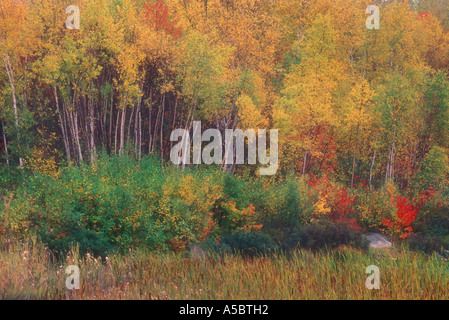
[(197, 252), (377, 240)]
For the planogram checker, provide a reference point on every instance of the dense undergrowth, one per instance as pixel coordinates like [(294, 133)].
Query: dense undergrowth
[(119, 203)]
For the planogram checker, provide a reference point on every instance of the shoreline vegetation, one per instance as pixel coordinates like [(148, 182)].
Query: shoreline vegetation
[(29, 272)]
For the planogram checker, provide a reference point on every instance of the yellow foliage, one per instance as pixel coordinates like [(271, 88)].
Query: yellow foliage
[(43, 163), (320, 207), (249, 115)]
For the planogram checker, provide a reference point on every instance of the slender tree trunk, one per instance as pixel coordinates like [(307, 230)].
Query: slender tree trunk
[(390, 166), (187, 129), (92, 131), (111, 119), (68, 120), (304, 162), (10, 74), (131, 118), (63, 126), (174, 120), (150, 138), (84, 120), (156, 125), (119, 113), (104, 119), (5, 144), (140, 130), (371, 169), (137, 128), (353, 168), (234, 146), (305, 155), (77, 136), (122, 131), (393, 156), (162, 127), (136, 131)]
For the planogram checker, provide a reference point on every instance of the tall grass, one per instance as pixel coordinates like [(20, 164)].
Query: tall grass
[(29, 271)]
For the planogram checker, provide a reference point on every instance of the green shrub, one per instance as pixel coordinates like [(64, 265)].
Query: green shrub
[(11, 177), (427, 243), (119, 203), (284, 205), (372, 206), (434, 170), (115, 204), (215, 247), (90, 241), (249, 243), (324, 235), (433, 221)]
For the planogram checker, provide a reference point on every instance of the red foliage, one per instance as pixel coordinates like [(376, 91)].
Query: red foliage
[(178, 245), (430, 195), (343, 207), (312, 181), (387, 223), (207, 231), (62, 234), (340, 202), (158, 14), (406, 212), (423, 14), (363, 183), (27, 59)]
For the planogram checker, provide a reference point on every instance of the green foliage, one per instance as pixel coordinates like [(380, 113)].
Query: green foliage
[(293, 209), (436, 104), (286, 205), (11, 177), (372, 206), (120, 203), (249, 243), (88, 241), (20, 137), (427, 244), (117, 203), (202, 74), (434, 170), (324, 235), (434, 222)]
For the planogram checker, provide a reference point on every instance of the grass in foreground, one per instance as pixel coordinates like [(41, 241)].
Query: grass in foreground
[(30, 272)]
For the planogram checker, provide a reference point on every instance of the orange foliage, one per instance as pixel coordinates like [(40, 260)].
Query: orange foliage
[(158, 14)]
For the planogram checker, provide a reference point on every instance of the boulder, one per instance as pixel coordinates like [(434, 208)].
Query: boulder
[(197, 252), (377, 240)]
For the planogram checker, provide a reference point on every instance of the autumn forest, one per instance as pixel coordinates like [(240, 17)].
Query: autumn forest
[(86, 115)]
